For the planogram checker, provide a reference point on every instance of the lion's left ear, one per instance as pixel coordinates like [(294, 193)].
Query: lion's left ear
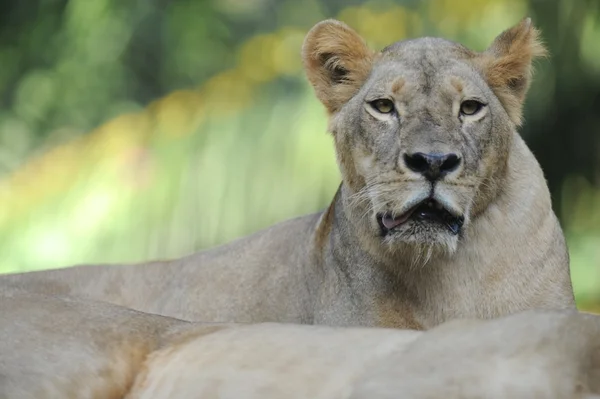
[(507, 65), (337, 62)]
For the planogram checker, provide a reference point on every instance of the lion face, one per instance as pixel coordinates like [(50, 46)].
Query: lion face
[(423, 141), (422, 129)]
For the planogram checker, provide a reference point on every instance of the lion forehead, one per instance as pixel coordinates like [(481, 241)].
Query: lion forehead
[(432, 47), (425, 75)]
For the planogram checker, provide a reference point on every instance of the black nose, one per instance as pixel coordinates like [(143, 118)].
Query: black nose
[(432, 166)]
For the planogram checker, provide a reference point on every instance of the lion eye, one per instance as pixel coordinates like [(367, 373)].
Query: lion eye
[(383, 105), (470, 107)]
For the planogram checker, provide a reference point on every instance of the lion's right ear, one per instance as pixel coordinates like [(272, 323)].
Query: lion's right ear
[(337, 62)]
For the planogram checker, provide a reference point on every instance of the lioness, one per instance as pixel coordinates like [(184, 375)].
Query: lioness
[(443, 211), (60, 347)]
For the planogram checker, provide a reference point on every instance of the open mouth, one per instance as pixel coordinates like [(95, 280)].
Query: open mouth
[(429, 210)]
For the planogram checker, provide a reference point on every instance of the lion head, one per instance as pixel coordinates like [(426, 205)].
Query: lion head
[(422, 128)]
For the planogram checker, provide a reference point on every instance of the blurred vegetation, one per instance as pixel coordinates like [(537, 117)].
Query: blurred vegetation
[(133, 130)]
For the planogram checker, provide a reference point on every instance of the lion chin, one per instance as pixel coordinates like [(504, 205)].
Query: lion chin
[(421, 241), (423, 228)]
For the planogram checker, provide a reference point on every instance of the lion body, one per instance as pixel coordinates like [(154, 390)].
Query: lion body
[(68, 347), (501, 250)]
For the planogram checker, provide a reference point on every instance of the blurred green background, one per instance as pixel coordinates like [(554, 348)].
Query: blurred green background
[(134, 130)]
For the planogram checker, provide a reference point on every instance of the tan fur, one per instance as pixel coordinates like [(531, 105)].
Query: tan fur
[(53, 348), (395, 314), (323, 232), (398, 85), (457, 84), (332, 51), (507, 65), (528, 355), (339, 267), (69, 348)]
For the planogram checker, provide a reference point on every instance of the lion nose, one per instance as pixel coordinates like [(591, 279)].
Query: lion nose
[(432, 166)]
